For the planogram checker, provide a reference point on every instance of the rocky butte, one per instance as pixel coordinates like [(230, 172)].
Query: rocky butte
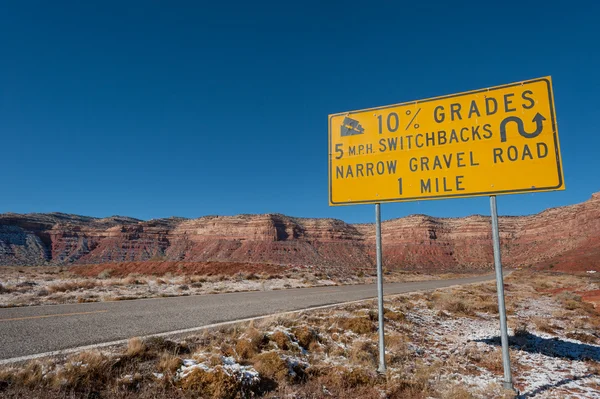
[(566, 238)]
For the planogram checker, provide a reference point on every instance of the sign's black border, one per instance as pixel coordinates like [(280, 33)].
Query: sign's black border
[(560, 185)]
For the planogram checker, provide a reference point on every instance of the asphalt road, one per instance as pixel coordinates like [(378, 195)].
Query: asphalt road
[(34, 330)]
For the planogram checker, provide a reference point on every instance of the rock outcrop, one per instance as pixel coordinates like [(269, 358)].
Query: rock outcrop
[(566, 237)]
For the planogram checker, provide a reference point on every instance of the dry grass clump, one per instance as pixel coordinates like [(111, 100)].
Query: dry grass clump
[(343, 379), (134, 279), (160, 344), (571, 301), (358, 325), (71, 286), (397, 350), (467, 301), (106, 273), (281, 340), (544, 324), (305, 336), (491, 361), (84, 371), (135, 347), (357, 377), (457, 392), (394, 315), (583, 337), (211, 384), (168, 364), (412, 384), (250, 343), (30, 375), (364, 353), (271, 365), (5, 290), (455, 304)]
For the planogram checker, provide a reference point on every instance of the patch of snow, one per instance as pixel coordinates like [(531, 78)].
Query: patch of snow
[(247, 375)]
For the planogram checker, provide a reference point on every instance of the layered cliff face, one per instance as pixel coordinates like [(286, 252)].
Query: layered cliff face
[(557, 237)]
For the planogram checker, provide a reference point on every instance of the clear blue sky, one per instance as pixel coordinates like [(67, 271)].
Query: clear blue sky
[(152, 109)]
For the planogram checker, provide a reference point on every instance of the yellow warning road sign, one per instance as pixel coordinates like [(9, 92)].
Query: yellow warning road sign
[(499, 140)]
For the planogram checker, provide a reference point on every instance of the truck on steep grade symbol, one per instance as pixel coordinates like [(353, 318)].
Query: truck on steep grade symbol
[(351, 127)]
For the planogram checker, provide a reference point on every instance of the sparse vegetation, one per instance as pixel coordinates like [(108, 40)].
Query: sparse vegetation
[(96, 283), (71, 286), (333, 352)]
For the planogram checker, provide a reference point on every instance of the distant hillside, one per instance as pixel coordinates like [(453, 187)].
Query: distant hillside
[(559, 238)]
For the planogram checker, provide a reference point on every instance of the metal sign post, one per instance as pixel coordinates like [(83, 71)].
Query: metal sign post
[(507, 383), (379, 288)]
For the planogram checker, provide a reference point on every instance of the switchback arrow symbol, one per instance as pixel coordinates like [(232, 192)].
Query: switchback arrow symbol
[(538, 119)]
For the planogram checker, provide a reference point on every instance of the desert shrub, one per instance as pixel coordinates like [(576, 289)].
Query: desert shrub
[(135, 347), (491, 361), (211, 384), (364, 353), (582, 336), (250, 343), (160, 344), (487, 305), (358, 325), (6, 290), (130, 382), (270, 365), (245, 349), (281, 339), (85, 371), (397, 348), (521, 330), (456, 304), (393, 315), (26, 284), (349, 378), (134, 279), (456, 392), (106, 273), (71, 286), (543, 324), (570, 301), (305, 336), (358, 377), (168, 363), (30, 375)]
